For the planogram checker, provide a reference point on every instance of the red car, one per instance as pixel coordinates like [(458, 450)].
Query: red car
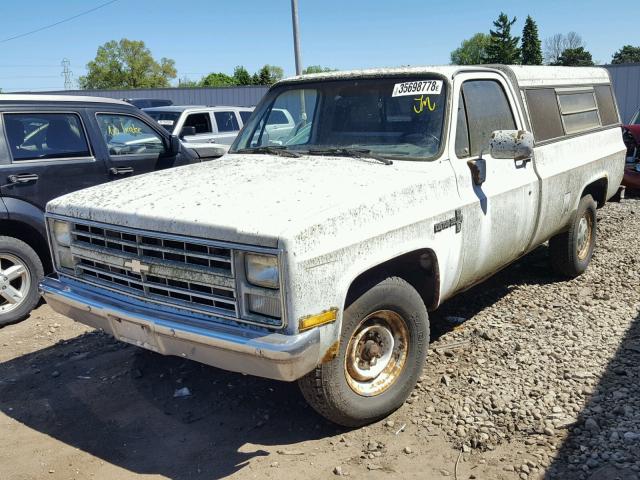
[(631, 137)]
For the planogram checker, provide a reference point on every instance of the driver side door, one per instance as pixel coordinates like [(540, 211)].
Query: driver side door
[(500, 213)]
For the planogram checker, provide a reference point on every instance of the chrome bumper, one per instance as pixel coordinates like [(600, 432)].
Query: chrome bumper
[(244, 350)]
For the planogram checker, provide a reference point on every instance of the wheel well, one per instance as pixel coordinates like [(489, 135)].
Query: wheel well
[(31, 237), (419, 268), (598, 190)]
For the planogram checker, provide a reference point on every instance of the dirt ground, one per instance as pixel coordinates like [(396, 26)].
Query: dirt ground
[(76, 404)]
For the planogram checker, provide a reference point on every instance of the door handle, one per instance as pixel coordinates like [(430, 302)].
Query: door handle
[(120, 170), (22, 178)]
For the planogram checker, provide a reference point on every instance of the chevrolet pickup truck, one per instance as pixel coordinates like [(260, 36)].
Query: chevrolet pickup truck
[(317, 257)]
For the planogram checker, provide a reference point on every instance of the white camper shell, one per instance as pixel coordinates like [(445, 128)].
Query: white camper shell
[(317, 255)]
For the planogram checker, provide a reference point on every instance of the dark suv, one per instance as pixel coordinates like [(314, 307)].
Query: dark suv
[(51, 145)]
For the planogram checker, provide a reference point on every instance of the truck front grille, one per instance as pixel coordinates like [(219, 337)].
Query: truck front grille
[(191, 274)]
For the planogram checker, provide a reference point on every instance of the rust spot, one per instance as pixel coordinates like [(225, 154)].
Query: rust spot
[(331, 353)]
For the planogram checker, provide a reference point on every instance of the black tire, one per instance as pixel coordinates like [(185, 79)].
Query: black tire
[(327, 388), (570, 256), (12, 248)]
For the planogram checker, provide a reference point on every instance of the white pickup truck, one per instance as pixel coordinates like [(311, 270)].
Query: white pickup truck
[(317, 257)]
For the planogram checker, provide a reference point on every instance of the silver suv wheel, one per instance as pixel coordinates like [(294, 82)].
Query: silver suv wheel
[(15, 282)]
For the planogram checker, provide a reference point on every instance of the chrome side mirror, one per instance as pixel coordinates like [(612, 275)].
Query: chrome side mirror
[(511, 144)]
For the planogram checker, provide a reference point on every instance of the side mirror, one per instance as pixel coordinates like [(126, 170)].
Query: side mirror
[(174, 145), (187, 131), (511, 144)]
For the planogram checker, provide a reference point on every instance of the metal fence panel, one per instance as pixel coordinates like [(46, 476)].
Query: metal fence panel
[(626, 85), (236, 96)]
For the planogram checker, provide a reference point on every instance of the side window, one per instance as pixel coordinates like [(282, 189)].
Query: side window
[(544, 113), (245, 116), (127, 135), (227, 121), (606, 105), (290, 120), (462, 130), (201, 122), (579, 111), (487, 110), (41, 136)]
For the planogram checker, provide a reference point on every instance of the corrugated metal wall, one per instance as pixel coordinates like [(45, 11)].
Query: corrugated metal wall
[(237, 96), (626, 85)]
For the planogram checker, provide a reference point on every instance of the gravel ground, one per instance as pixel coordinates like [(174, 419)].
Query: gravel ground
[(529, 377)]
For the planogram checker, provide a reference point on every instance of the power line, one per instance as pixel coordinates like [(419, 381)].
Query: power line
[(59, 22)]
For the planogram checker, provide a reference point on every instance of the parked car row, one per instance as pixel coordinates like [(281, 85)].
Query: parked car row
[(350, 205)]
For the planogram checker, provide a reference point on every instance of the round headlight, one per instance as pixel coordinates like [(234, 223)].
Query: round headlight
[(262, 270), (62, 233)]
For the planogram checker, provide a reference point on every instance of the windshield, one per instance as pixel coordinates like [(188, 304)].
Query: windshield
[(166, 119), (636, 119), (392, 117)]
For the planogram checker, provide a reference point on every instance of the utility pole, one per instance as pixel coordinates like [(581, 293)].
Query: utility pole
[(67, 74), (296, 36)]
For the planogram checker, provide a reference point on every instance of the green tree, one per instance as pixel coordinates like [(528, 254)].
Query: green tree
[(531, 45), (268, 75), (317, 69), (217, 79), (472, 51), (503, 47), (241, 76), (127, 64), (627, 54), (575, 57)]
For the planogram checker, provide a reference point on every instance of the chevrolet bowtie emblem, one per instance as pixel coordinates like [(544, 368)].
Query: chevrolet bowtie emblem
[(136, 266)]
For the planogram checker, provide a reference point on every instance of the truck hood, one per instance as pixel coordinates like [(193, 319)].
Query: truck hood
[(249, 199)]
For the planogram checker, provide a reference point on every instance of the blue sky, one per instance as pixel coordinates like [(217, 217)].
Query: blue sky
[(204, 36)]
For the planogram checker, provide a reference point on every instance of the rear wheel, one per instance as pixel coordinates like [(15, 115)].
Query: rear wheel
[(383, 345), (20, 272), (571, 251)]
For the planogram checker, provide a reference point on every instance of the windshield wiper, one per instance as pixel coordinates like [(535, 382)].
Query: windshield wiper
[(271, 149), (351, 152)]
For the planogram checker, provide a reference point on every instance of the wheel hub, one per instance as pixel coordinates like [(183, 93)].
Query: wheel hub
[(376, 353), (583, 236), (15, 282)]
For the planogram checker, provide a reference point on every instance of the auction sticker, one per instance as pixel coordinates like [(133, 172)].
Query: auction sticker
[(165, 122), (429, 87)]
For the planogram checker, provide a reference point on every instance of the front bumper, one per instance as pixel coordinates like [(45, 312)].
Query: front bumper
[(233, 348)]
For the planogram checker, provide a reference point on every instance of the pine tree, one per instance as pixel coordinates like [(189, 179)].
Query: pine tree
[(531, 46), (503, 48)]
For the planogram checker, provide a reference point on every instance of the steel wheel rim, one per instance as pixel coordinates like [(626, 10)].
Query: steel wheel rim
[(15, 282), (585, 231), (377, 353)]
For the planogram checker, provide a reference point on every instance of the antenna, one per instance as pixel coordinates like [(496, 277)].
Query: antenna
[(67, 74)]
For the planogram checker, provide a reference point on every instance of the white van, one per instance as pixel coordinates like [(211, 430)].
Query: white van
[(317, 256)]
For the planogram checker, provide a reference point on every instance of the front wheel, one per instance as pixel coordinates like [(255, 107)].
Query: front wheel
[(571, 251), (20, 272), (383, 346)]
